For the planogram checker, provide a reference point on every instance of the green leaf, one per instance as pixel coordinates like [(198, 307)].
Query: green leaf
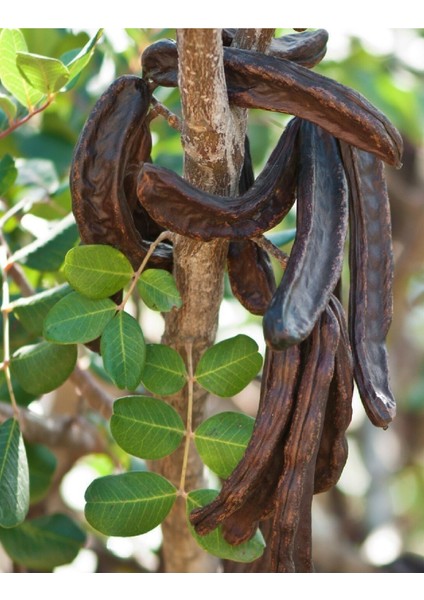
[(43, 367), (14, 478), (146, 427), (32, 311), (12, 41), (214, 542), (128, 504), (281, 238), (77, 319), (222, 439), (8, 173), (81, 60), (97, 271), (48, 75), (164, 370), (44, 543), (8, 107), (123, 349), (42, 465), (227, 367), (158, 290), (48, 252), (22, 397)]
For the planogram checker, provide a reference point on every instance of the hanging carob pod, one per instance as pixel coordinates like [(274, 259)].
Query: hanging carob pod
[(256, 80), (249, 268), (114, 140), (291, 544), (181, 207), (316, 260), (262, 458), (371, 276), (333, 448), (307, 48)]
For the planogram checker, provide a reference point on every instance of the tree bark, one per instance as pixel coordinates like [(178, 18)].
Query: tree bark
[(213, 141)]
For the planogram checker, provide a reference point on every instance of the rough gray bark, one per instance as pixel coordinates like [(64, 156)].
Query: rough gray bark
[(213, 141)]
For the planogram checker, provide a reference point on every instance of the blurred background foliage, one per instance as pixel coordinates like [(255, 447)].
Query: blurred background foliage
[(374, 519)]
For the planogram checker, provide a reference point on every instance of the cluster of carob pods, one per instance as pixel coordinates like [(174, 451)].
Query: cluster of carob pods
[(329, 160)]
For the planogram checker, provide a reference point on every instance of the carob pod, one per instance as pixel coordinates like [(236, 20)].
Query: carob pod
[(103, 159), (316, 260), (279, 382), (256, 80), (333, 449), (371, 276), (291, 543), (181, 207), (249, 268), (307, 48), (251, 276)]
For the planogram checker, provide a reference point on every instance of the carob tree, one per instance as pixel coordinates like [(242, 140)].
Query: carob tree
[(329, 162)]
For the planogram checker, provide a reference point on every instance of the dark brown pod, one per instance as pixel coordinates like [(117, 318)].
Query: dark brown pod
[(307, 48), (333, 449), (316, 259), (291, 543), (275, 405), (371, 276), (251, 276), (256, 80), (102, 166), (179, 206)]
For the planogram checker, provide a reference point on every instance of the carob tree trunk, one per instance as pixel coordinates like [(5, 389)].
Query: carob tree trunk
[(213, 140)]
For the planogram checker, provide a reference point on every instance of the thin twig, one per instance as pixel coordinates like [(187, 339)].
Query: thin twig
[(29, 116), (165, 235), (273, 250), (189, 432), (160, 109)]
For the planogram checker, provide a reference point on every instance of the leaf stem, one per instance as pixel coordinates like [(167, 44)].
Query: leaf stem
[(273, 250), (6, 329), (27, 117), (189, 432), (165, 235)]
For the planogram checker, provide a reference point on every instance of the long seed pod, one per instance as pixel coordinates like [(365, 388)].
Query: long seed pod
[(275, 406), (371, 272), (307, 48), (251, 276), (249, 268), (112, 140), (179, 206), (256, 80), (296, 484), (316, 259), (333, 449)]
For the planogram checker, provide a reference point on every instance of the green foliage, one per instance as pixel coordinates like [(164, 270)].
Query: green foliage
[(43, 367), (48, 252), (124, 350), (128, 504), (77, 319), (214, 542), (42, 466), (44, 543), (146, 427), (12, 41), (14, 477), (158, 290), (45, 74), (97, 271), (222, 439), (226, 368), (8, 173), (32, 310), (164, 370)]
